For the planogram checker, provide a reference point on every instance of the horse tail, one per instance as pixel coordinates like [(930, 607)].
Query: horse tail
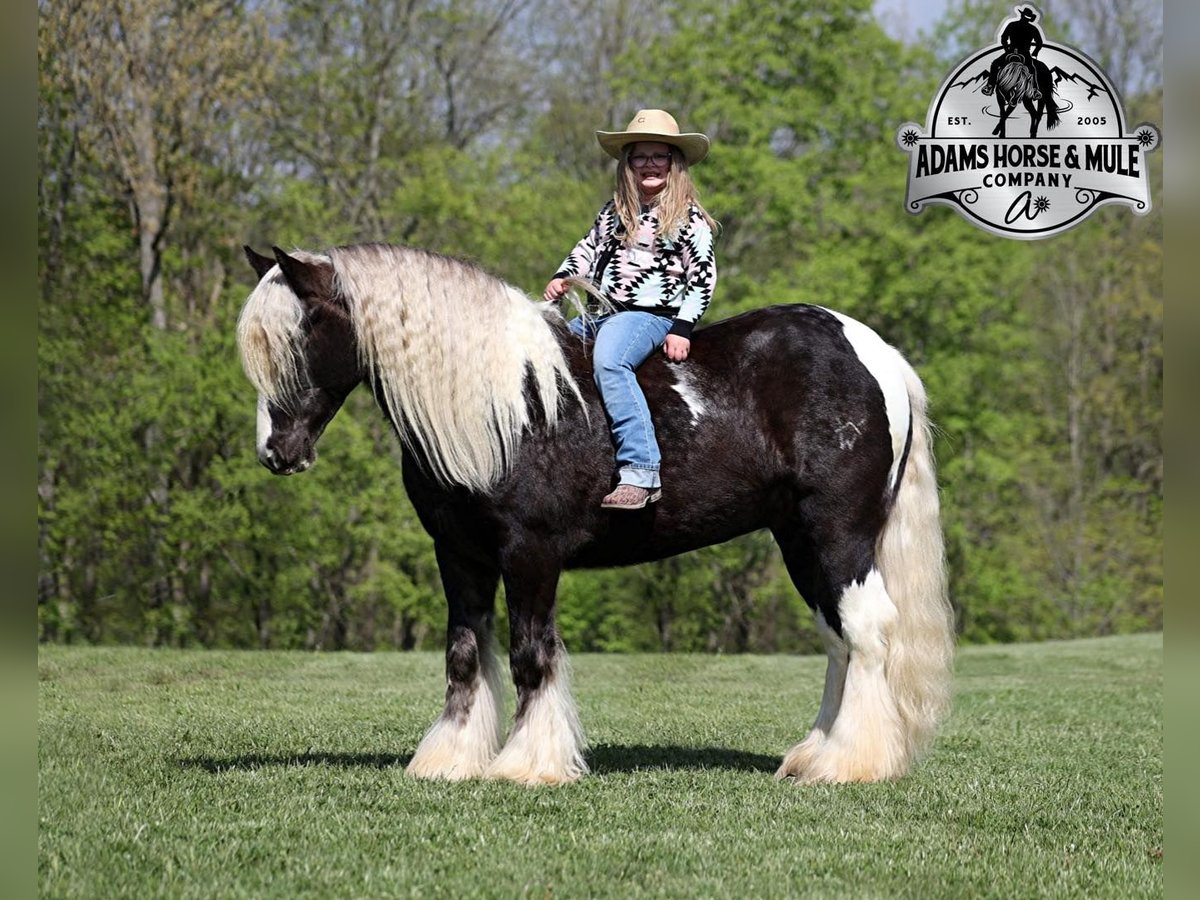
[(1045, 83), (1051, 110), (911, 558)]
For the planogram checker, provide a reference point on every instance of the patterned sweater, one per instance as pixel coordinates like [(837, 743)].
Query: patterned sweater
[(669, 277)]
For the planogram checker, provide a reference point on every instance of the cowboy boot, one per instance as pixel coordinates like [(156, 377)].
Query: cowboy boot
[(630, 496)]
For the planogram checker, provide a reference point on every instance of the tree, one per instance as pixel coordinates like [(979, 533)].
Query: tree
[(460, 128), (1100, 298), (155, 84), (1125, 37)]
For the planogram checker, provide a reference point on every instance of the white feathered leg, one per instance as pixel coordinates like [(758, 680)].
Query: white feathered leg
[(467, 735), (799, 759), (546, 745), (867, 741)]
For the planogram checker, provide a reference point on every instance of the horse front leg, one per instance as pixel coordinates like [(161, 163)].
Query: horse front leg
[(546, 744), (1005, 112), (467, 735)]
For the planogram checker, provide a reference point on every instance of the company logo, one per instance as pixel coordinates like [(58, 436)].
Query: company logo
[(1026, 138)]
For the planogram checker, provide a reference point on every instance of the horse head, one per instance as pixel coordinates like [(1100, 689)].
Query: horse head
[(298, 349)]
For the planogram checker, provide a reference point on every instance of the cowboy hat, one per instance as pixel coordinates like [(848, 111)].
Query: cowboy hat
[(654, 125)]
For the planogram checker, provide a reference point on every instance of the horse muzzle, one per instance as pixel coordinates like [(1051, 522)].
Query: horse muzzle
[(278, 460), (278, 469)]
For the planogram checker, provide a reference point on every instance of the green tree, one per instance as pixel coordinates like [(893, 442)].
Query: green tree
[(463, 128)]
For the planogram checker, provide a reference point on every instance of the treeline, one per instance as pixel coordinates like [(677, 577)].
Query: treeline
[(171, 132)]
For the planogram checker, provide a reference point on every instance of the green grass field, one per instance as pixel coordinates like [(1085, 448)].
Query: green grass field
[(214, 774)]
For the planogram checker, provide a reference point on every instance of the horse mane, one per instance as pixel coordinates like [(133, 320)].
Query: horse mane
[(449, 348), (269, 336)]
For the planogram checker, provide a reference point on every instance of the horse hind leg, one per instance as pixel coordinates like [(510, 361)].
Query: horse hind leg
[(884, 593), (465, 738), (546, 744), (1051, 107), (858, 734), (1035, 115), (799, 760), (868, 740)]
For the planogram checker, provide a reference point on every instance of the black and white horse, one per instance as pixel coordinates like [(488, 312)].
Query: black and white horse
[(792, 418), (1015, 84)]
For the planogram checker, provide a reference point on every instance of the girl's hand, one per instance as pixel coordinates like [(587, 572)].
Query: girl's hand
[(555, 289), (676, 347)]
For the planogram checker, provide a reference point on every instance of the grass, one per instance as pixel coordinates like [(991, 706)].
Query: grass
[(214, 774)]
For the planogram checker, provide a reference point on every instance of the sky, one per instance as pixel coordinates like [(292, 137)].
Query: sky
[(904, 18)]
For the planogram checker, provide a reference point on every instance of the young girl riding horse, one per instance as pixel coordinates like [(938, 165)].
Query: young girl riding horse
[(650, 253)]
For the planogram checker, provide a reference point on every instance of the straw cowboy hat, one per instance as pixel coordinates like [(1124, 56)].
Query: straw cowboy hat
[(655, 125)]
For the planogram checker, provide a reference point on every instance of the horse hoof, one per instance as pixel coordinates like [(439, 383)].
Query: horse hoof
[(530, 777), (799, 759)]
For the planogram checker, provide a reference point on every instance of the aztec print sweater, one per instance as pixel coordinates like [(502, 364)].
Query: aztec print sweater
[(669, 277)]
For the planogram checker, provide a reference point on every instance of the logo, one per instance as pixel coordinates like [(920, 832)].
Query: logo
[(1026, 138)]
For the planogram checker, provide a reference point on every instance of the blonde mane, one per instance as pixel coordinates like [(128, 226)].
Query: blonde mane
[(448, 347), (269, 336)]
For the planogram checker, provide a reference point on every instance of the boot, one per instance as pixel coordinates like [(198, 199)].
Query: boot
[(630, 496)]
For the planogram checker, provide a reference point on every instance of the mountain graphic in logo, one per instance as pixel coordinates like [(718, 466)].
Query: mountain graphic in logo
[(1025, 138)]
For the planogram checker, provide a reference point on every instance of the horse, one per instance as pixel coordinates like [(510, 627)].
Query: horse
[(1017, 84), (792, 418)]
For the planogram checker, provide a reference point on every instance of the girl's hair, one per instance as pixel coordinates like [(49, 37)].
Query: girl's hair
[(674, 201)]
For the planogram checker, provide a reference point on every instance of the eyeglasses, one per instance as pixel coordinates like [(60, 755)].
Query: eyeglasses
[(641, 160)]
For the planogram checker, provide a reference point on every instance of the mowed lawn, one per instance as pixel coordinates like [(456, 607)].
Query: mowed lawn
[(229, 774)]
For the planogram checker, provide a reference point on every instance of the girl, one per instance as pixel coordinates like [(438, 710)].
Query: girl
[(650, 253)]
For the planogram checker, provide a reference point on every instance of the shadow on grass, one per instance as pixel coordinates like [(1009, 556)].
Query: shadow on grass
[(617, 758), (602, 758)]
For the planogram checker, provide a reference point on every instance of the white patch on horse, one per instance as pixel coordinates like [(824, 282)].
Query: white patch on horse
[(848, 434), (755, 341), (886, 365), (263, 419), (686, 389)]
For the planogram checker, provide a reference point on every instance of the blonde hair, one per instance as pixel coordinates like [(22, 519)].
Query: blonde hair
[(269, 335), (674, 203)]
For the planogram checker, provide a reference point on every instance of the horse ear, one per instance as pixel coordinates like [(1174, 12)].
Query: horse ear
[(309, 281), (259, 263)]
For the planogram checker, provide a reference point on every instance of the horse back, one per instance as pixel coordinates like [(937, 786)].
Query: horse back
[(773, 410)]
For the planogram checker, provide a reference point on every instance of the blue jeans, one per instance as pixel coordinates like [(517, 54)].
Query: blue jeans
[(623, 341)]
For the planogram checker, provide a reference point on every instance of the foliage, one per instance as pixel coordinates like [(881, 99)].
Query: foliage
[(1125, 37), (466, 128), (196, 774)]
